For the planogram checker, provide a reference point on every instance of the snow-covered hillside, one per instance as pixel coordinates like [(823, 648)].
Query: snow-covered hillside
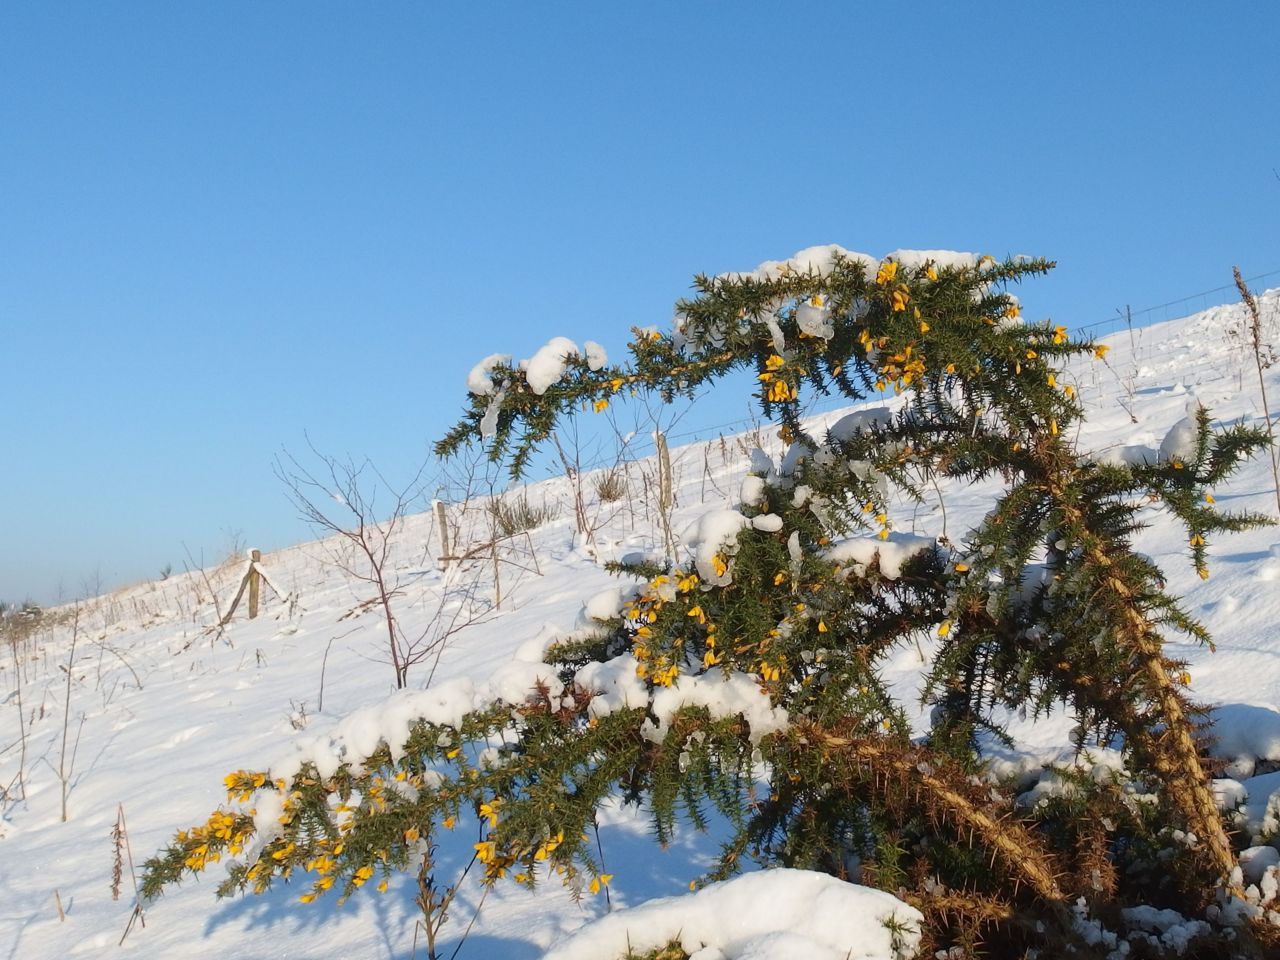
[(136, 702)]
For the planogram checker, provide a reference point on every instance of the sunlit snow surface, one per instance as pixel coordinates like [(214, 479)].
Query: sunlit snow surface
[(161, 708)]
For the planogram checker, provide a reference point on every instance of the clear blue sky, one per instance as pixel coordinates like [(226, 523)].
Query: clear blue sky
[(225, 224)]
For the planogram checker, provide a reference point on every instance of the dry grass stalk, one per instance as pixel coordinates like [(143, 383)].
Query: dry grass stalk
[(1262, 358)]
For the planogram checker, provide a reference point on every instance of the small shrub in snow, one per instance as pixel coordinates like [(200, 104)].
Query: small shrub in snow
[(747, 678), (611, 486), (515, 514)]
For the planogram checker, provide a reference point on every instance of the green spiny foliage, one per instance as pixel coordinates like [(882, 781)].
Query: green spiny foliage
[(790, 618)]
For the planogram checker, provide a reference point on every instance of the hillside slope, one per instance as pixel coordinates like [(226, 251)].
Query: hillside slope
[(158, 704)]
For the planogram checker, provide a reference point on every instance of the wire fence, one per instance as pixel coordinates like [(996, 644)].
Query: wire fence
[(1172, 310)]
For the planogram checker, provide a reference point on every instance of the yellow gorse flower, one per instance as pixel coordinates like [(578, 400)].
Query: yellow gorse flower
[(600, 882), (490, 811), (779, 392), (888, 270)]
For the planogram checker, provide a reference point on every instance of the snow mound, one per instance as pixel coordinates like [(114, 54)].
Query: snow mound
[(778, 914)]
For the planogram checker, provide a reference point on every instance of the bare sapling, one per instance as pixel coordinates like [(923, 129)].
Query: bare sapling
[(666, 493), (355, 521), (1263, 358), (571, 463), (369, 534)]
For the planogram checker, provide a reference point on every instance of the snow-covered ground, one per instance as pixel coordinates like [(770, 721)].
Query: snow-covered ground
[(156, 705)]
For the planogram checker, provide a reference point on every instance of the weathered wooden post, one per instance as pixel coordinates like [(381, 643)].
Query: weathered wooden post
[(442, 521), (255, 582), (251, 582)]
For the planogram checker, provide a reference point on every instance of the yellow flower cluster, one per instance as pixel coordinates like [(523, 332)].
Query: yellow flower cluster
[(662, 668), (600, 882), (325, 865), (901, 369), (776, 390), (497, 861), (779, 392), (205, 844), (242, 783)]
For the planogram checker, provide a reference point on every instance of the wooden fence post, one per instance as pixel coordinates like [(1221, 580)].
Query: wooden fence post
[(255, 584), (442, 521), (251, 582)]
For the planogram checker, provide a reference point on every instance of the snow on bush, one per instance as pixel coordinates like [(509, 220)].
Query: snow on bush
[(480, 379), (891, 553), (545, 368), (713, 539)]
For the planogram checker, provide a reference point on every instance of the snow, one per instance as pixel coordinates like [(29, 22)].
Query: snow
[(818, 260), (597, 358), (942, 259), (1179, 443), (546, 367), (767, 523), (1171, 928), (1245, 733), (713, 539), (616, 685), (892, 554), (860, 421), (813, 317), (489, 422), (606, 605), (1255, 861), (723, 695), (163, 705), (479, 380), (776, 914)]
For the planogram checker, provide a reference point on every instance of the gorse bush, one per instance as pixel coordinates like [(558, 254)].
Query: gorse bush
[(749, 680)]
